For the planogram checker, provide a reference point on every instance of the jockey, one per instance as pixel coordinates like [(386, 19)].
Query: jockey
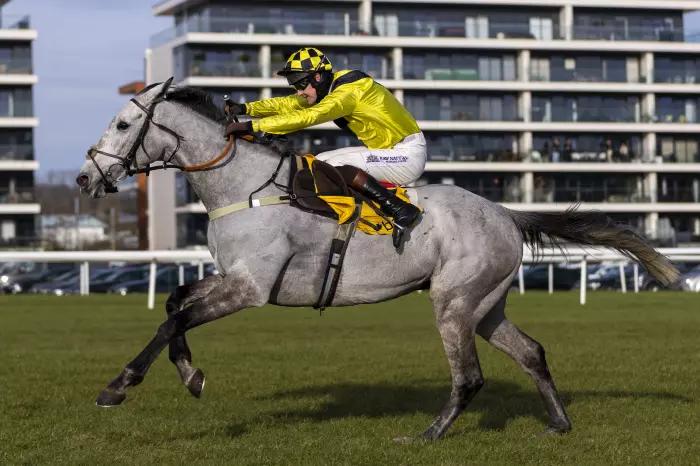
[(394, 147)]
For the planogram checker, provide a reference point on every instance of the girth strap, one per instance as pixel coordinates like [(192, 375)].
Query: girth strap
[(260, 202), (336, 256)]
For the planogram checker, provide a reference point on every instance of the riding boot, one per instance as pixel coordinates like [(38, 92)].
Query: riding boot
[(405, 215)]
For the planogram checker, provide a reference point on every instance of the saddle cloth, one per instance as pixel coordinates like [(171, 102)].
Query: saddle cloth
[(319, 188)]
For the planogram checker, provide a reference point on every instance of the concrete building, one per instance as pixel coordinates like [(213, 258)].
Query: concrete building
[(18, 206), (536, 104)]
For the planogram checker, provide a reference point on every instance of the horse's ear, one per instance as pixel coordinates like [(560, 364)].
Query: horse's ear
[(166, 87)]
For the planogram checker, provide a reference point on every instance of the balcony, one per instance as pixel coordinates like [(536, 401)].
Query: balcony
[(258, 25), (15, 65), (16, 152), (17, 196), (545, 192)]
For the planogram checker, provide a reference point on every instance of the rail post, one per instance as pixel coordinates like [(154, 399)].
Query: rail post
[(84, 278), (550, 278), (623, 279), (152, 285), (521, 280), (636, 277), (584, 285), (180, 274), (200, 270)]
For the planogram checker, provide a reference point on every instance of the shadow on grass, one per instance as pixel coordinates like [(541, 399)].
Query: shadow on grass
[(498, 402)]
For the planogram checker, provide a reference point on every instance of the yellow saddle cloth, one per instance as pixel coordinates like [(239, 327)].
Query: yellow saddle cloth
[(370, 221)]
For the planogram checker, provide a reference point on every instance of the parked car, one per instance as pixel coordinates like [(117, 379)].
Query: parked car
[(118, 275), (690, 281), (537, 277), (22, 278), (67, 283), (649, 283), (167, 279)]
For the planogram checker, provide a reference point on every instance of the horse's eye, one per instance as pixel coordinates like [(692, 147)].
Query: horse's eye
[(122, 125)]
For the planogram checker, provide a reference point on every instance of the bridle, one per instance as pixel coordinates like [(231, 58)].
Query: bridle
[(129, 163)]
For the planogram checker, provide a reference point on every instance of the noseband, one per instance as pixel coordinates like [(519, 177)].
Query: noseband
[(128, 162)]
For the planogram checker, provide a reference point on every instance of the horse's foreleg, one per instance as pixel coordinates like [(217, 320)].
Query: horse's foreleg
[(529, 355), (179, 353), (236, 292)]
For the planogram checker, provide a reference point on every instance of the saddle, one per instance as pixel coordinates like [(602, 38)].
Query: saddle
[(320, 188)]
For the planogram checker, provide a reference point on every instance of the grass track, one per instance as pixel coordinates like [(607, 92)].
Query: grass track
[(287, 387)]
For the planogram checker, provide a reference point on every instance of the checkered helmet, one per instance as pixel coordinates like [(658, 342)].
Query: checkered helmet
[(305, 61)]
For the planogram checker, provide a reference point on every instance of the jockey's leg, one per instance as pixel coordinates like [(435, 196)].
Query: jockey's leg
[(402, 164), (405, 215)]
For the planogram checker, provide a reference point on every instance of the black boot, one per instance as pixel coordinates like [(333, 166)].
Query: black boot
[(405, 215)]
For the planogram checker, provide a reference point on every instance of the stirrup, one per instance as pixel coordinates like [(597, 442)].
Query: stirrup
[(401, 234)]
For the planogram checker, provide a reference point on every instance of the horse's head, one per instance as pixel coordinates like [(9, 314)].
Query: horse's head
[(127, 145)]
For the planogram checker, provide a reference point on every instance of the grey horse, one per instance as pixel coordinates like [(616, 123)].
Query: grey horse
[(466, 250)]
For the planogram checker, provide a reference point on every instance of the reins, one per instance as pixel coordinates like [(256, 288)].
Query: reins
[(126, 162)]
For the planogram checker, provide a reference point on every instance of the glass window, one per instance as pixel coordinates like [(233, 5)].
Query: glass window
[(15, 58), (677, 69), (216, 61), (16, 144), (556, 107), (660, 25), (16, 102), (467, 147), (615, 147)]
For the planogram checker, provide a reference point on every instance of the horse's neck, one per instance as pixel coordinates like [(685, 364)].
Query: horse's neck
[(251, 167)]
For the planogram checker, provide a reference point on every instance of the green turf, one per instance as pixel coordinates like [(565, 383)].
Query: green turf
[(285, 386)]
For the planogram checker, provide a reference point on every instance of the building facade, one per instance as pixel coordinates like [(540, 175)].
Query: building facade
[(18, 204), (535, 104)]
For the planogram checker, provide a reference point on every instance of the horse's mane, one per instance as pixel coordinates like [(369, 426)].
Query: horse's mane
[(198, 100)]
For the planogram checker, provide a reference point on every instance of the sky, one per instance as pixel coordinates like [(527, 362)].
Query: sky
[(85, 50)]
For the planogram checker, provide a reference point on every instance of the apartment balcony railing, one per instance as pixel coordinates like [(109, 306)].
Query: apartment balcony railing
[(15, 22), (685, 195), (224, 69), (15, 66), (628, 33), (465, 29), (583, 194), (606, 115), (243, 25), (16, 152), (438, 154), (17, 196)]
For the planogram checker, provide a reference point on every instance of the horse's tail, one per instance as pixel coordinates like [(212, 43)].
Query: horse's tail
[(592, 228)]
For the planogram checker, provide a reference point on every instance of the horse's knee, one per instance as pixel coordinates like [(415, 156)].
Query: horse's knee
[(174, 301)]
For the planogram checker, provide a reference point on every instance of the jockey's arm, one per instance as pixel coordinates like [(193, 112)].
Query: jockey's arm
[(337, 104), (275, 106)]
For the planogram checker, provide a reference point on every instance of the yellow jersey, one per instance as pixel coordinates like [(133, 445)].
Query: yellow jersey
[(355, 101)]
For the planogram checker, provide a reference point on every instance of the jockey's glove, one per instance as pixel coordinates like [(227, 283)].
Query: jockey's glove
[(232, 108), (239, 129)]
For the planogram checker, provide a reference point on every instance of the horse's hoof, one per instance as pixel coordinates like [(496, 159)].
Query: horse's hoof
[(557, 429), (432, 433), (196, 382), (109, 398)]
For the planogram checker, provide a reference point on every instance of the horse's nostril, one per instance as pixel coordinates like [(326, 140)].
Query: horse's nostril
[(83, 180)]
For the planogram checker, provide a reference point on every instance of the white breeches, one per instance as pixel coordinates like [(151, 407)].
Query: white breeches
[(402, 164)]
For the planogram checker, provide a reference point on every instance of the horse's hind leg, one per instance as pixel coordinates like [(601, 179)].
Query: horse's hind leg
[(458, 340), (179, 353), (529, 354)]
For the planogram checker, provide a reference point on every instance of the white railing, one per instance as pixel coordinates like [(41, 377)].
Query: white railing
[(200, 257)]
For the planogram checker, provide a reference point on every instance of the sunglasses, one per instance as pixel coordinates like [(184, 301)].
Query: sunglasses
[(301, 84)]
